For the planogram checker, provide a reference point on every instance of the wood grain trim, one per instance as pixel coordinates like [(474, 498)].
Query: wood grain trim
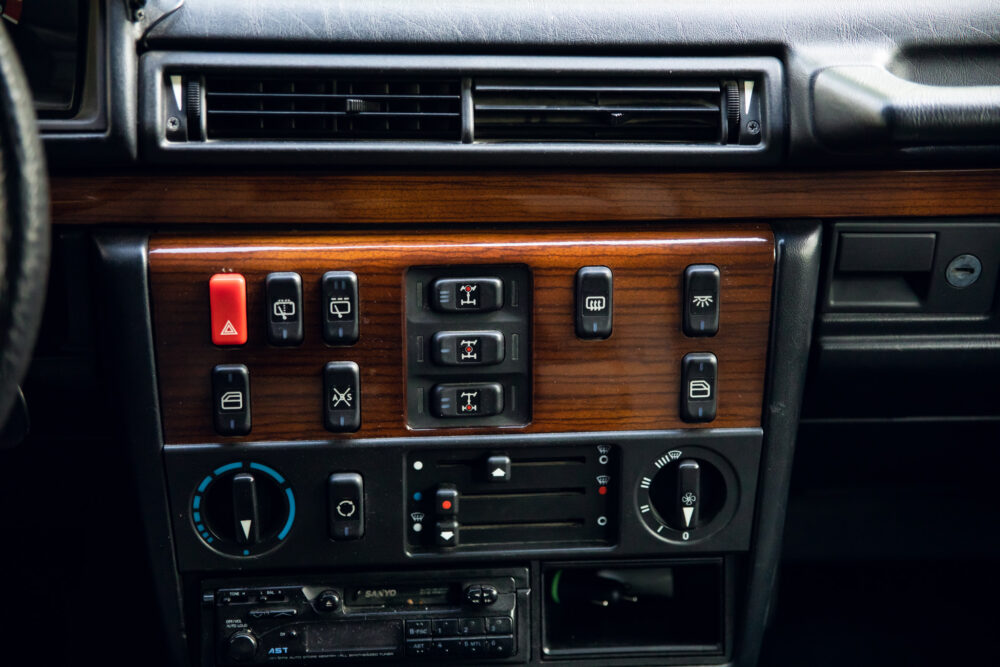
[(628, 382), (490, 197)]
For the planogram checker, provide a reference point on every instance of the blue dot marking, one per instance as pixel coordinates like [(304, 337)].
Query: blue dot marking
[(246, 552), (418, 496)]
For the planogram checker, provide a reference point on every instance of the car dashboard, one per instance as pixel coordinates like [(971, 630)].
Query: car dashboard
[(528, 333)]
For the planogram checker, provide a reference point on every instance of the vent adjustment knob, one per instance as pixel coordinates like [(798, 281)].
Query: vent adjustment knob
[(732, 98), (192, 103)]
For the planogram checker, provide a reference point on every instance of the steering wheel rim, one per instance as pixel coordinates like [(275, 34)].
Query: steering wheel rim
[(24, 226)]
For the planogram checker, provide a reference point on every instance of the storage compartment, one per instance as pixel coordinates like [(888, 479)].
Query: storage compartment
[(618, 609)]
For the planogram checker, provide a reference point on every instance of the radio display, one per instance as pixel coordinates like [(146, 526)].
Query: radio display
[(353, 637)]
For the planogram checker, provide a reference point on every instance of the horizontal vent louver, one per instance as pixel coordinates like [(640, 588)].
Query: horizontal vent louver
[(330, 108), (641, 110)]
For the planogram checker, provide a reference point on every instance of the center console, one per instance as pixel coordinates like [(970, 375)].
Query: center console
[(469, 445)]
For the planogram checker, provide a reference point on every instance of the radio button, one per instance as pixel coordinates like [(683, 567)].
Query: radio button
[(445, 648), (446, 627), (447, 534), (499, 647), (480, 595), (419, 647), (416, 629), (501, 625), (471, 648), (328, 601), (470, 626)]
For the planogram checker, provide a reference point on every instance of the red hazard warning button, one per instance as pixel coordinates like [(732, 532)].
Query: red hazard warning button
[(228, 295)]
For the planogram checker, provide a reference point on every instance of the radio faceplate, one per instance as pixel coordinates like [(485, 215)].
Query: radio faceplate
[(462, 615)]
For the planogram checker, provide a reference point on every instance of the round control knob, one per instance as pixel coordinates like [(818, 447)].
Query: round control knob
[(328, 602), (242, 646), (686, 494), (243, 509)]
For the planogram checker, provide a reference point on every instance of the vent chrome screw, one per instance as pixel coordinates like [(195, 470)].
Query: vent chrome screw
[(173, 123), (753, 127)]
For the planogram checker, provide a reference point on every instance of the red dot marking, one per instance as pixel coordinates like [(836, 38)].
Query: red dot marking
[(468, 349), (603, 490), (446, 505)]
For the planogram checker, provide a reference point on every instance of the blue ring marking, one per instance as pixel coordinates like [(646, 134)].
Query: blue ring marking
[(228, 467), (246, 552), (210, 540), (291, 515), (204, 484), (197, 502), (205, 535), (270, 471), (200, 527), (197, 517)]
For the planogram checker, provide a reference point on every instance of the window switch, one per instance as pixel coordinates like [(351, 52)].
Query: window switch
[(699, 372), (231, 399), (594, 302), (701, 300)]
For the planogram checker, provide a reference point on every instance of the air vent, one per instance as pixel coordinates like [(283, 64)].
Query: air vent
[(331, 108), (639, 110)]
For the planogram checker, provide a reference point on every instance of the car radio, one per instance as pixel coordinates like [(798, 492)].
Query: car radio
[(466, 615)]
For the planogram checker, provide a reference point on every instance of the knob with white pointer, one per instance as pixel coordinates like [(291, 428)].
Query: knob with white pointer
[(243, 509), (688, 493)]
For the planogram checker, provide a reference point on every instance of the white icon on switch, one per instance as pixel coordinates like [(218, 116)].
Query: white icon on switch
[(699, 389)]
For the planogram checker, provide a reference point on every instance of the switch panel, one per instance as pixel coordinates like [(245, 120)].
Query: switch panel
[(467, 401), (701, 300), (228, 300), (283, 293), (342, 397), (231, 399), (551, 495), (468, 364), (467, 295), (699, 373), (340, 308), (467, 348), (594, 302), (346, 498)]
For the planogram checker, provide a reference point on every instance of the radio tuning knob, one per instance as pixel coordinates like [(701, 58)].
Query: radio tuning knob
[(242, 646)]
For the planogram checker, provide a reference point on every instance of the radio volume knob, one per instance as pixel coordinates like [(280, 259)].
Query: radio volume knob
[(242, 646)]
